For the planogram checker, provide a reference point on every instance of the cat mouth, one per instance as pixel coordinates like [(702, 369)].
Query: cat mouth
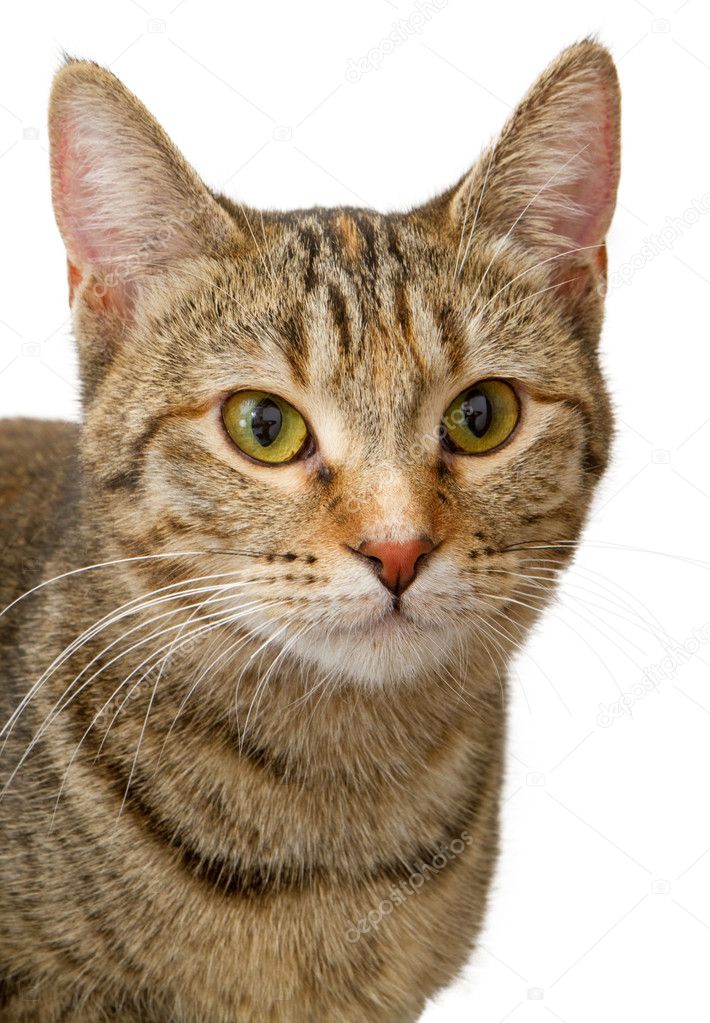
[(391, 621), (388, 623)]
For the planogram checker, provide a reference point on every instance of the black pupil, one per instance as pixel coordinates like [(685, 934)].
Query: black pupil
[(477, 411), (266, 422)]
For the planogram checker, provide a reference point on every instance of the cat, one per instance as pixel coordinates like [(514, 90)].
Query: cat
[(260, 604)]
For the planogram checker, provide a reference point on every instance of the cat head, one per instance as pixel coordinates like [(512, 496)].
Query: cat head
[(368, 419)]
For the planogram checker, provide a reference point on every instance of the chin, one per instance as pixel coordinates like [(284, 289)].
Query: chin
[(388, 650)]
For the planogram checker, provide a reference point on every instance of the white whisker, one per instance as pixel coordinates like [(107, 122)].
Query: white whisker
[(475, 219), (522, 214)]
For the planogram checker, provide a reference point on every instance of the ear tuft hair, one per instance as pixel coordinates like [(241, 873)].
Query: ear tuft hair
[(550, 181), (128, 205)]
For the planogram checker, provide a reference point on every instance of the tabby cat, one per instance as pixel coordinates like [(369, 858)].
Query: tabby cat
[(260, 603)]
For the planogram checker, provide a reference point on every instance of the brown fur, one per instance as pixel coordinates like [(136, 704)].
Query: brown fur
[(219, 873)]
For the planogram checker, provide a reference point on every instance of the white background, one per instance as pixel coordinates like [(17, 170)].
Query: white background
[(601, 907)]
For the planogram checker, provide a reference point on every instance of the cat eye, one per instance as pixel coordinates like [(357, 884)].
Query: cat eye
[(481, 418), (265, 427)]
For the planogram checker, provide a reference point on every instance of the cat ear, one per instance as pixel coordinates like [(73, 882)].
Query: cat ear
[(127, 203), (549, 183)]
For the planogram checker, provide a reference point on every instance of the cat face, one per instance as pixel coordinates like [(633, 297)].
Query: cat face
[(367, 419)]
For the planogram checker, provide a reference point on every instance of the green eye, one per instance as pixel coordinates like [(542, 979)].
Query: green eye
[(481, 418), (264, 426)]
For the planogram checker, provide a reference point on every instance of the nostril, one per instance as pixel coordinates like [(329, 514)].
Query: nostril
[(396, 562)]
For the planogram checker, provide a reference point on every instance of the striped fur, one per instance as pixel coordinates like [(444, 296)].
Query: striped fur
[(239, 838)]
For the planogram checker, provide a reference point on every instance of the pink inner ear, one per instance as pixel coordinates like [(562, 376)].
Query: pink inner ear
[(76, 206), (74, 278), (591, 192), (90, 242), (127, 204)]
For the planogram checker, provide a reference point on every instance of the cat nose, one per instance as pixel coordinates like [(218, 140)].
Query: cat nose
[(396, 562)]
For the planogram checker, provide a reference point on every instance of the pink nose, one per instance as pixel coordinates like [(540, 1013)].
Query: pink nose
[(396, 563)]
